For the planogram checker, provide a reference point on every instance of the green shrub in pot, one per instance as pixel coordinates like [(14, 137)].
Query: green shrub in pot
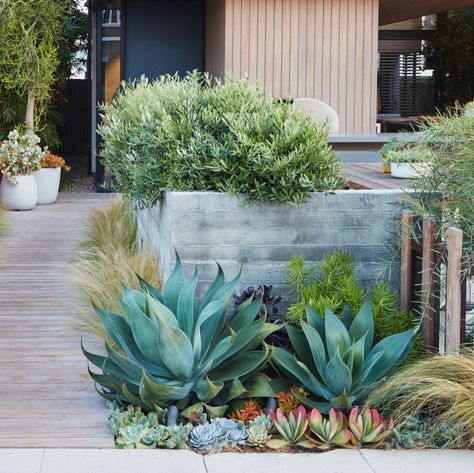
[(169, 349)]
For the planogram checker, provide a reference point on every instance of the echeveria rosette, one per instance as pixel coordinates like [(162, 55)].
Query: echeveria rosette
[(290, 428), (368, 428), (168, 349), (337, 360)]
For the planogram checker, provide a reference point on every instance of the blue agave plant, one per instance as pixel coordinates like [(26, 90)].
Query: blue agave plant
[(168, 348), (337, 360)]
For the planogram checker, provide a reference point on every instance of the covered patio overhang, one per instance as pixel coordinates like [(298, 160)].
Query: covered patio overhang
[(391, 11)]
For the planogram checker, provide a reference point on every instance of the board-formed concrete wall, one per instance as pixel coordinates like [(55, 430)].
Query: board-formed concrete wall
[(205, 227)]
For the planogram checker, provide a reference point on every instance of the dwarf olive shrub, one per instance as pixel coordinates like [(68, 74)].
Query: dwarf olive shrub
[(197, 134)]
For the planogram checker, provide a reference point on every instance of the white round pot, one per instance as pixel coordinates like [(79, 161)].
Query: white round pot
[(20, 196), (408, 170), (47, 180)]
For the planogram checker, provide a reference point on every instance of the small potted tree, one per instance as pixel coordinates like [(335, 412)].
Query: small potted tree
[(49, 177), (20, 156)]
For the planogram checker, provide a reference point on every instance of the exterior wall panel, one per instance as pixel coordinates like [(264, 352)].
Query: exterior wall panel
[(325, 49)]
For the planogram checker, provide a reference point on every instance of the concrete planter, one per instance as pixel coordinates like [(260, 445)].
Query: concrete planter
[(205, 227)]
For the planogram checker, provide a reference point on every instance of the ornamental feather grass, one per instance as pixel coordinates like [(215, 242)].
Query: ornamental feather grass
[(107, 258), (440, 387)]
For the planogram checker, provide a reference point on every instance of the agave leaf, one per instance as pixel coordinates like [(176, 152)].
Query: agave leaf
[(259, 386), (392, 348), (347, 316), (368, 365), (173, 286), (146, 333), (215, 411), (154, 392), (132, 398), (133, 370), (245, 314), (186, 302), (315, 320), (212, 310), (317, 348), (343, 401), (96, 360), (300, 344), (338, 376), (222, 347), (227, 291), (149, 289), (189, 412), (240, 366), (363, 324), (235, 390), (133, 297), (357, 357), (290, 365), (176, 351), (213, 289), (207, 390), (160, 313), (337, 336)]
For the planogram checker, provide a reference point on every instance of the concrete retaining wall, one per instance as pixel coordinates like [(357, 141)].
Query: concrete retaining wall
[(205, 227)]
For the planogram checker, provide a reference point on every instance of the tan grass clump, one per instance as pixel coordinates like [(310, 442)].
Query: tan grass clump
[(440, 386), (108, 257)]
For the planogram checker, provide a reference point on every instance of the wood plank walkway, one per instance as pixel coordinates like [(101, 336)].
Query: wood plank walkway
[(371, 176), (46, 396)]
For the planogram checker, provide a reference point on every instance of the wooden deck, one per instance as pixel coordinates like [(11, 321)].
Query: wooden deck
[(371, 176), (46, 397)]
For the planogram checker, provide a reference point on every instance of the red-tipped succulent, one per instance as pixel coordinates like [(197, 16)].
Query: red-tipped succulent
[(368, 428), (291, 428), (328, 433)]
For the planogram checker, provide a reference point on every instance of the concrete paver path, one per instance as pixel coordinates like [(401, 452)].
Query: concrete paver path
[(181, 461)]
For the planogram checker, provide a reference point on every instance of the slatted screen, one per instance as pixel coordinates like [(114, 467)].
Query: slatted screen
[(398, 82)]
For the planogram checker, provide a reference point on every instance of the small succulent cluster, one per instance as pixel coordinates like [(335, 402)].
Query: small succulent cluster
[(20, 155), (134, 429), (418, 431), (260, 431), (217, 434)]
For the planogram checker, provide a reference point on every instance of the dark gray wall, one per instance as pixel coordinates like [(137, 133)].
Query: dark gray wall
[(163, 37)]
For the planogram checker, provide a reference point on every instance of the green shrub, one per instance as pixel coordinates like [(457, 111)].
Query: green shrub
[(338, 360), (168, 349), (186, 135), (333, 283)]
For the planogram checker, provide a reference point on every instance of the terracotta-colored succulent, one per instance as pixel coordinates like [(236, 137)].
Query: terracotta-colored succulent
[(251, 411)]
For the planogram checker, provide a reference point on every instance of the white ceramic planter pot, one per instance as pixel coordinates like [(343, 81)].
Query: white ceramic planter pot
[(47, 180), (407, 170), (20, 196)]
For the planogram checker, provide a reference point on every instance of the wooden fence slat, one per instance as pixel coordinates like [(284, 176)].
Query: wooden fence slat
[(428, 285), (453, 291), (406, 261)]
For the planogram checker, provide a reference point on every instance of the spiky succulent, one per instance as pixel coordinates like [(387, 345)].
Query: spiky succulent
[(328, 433), (368, 428), (336, 359), (167, 348), (290, 428)]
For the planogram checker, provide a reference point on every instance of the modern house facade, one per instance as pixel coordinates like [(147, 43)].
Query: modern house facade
[(331, 50)]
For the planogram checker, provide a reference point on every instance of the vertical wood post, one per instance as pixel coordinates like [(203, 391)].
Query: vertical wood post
[(406, 261), (453, 291), (428, 285)]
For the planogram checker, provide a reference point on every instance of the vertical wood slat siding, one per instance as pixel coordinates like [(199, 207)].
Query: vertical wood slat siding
[(326, 49)]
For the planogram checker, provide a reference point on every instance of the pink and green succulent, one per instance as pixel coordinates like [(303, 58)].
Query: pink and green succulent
[(291, 428), (368, 428), (328, 433)]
